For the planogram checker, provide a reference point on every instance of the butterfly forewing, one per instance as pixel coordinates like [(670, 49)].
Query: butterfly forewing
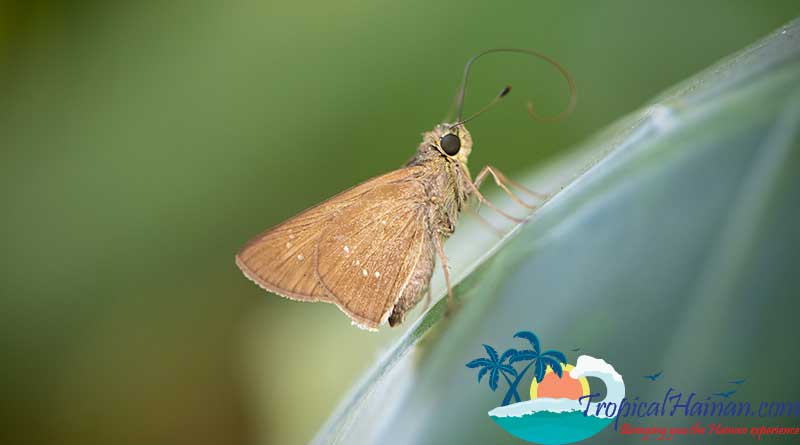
[(281, 259), (284, 258), (368, 253)]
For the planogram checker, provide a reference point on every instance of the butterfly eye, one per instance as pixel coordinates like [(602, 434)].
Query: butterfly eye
[(450, 143)]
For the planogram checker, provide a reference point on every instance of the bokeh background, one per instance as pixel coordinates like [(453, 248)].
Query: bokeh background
[(141, 144)]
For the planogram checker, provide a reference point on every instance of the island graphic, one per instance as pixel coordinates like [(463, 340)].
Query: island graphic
[(553, 415)]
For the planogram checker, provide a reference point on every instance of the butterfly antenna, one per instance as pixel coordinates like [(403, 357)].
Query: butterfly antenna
[(496, 99), (573, 96)]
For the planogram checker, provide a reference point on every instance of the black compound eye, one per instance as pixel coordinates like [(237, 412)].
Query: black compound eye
[(451, 144)]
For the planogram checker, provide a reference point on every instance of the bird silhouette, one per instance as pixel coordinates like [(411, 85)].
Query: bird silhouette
[(575, 350), (726, 394), (653, 377), (737, 382)]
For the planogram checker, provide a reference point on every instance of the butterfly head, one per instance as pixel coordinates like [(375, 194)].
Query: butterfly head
[(452, 141)]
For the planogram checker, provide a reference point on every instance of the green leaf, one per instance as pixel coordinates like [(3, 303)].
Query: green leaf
[(670, 240)]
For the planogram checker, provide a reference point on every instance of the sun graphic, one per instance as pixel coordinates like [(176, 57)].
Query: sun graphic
[(564, 387)]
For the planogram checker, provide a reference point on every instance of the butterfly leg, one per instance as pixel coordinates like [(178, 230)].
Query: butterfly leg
[(473, 190), (500, 179), (437, 240), (427, 299), (484, 222), (482, 200)]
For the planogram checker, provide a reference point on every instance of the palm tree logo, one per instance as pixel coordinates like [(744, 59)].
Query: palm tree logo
[(553, 414), (503, 365), (496, 366)]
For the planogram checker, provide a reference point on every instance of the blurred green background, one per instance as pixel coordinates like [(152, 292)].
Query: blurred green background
[(143, 143)]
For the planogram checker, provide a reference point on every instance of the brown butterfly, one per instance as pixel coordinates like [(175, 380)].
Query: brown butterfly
[(371, 250)]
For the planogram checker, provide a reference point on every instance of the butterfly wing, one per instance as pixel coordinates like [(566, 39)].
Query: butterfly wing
[(368, 253), (281, 259)]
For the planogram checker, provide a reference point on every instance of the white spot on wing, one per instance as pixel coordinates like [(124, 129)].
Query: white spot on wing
[(346, 249), (300, 257), (288, 245), (364, 272), (377, 274)]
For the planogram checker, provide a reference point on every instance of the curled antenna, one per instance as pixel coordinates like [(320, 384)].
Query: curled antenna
[(462, 91)]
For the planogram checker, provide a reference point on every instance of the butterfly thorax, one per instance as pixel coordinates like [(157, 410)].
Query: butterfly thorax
[(444, 177)]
